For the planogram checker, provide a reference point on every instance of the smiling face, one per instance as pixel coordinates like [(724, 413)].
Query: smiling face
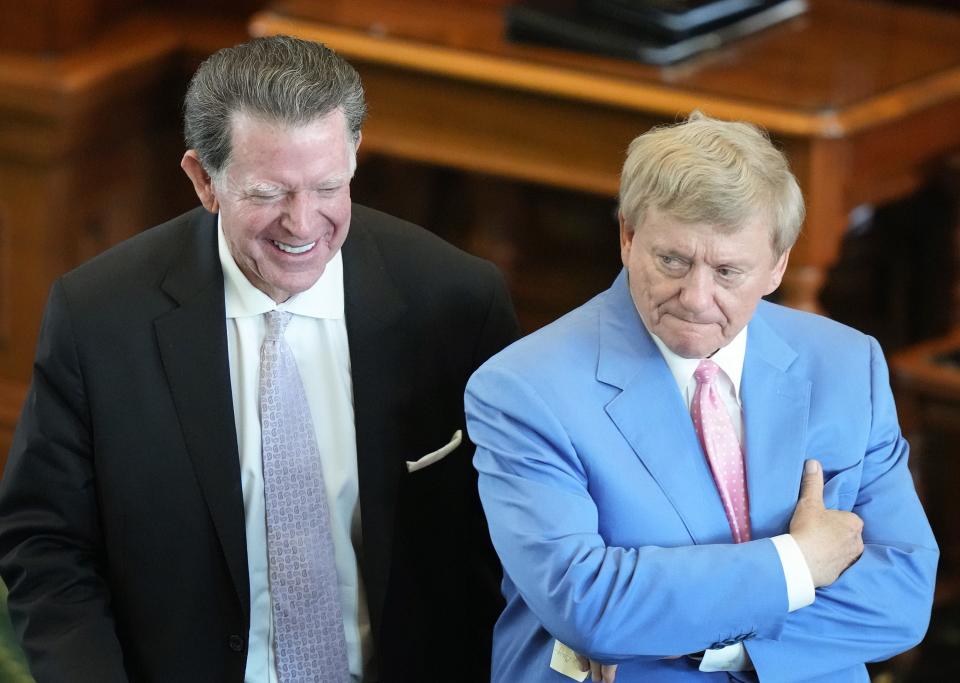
[(283, 198), (694, 286)]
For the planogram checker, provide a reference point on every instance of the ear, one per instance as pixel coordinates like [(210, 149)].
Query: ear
[(202, 182), (776, 275), (626, 239), (356, 151)]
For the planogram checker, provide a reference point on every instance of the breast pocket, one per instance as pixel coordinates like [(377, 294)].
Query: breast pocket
[(437, 455)]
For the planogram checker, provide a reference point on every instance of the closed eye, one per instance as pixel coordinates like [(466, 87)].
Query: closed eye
[(264, 196), (327, 191)]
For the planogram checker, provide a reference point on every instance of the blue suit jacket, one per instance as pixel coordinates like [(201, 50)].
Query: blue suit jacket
[(613, 539)]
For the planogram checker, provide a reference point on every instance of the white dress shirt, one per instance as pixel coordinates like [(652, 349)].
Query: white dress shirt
[(317, 335), (800, 588)]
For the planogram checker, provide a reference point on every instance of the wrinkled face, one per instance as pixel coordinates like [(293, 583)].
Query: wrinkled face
[(694, 286), (283, 198)]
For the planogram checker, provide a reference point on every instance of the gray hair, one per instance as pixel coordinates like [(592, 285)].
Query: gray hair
[(279, 79), (704, 170)]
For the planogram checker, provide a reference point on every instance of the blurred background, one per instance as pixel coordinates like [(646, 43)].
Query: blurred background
[(507, 139)]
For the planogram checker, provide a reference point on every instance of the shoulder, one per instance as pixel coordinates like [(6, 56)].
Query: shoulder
[(149, 251), (806, 327), (818, 341), (417, 261), (405, 245), (565, 346), (127, 275)]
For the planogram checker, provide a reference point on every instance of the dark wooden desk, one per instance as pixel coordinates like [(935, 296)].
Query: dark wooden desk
[(863, 96)]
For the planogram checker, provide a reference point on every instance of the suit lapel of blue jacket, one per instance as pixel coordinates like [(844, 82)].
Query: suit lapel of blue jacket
[(652, 416), (776, 408)]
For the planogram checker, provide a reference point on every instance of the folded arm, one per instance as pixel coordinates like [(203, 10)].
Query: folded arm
[(880, 606), (613, 603), (606, 602)]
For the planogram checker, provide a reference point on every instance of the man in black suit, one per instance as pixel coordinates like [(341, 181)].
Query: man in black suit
[(133, 536)]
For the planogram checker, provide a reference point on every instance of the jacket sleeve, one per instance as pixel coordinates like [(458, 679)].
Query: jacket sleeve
[(51, 554), (606, 602), (880, 606), (499, 329)]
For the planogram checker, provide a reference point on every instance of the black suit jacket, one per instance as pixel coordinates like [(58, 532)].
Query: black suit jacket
[(121, 517)]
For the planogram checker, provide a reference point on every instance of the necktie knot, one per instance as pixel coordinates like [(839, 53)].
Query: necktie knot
[(276, 324), (706, 372)]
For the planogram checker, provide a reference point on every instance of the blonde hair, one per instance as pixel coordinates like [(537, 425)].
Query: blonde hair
[(704, 170)]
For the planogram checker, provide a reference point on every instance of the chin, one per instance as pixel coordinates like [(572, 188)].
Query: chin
[(690, 353), (294, 288), (688, 348)]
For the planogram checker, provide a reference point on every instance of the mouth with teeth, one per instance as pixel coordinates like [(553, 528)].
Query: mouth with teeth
[(291, 249)]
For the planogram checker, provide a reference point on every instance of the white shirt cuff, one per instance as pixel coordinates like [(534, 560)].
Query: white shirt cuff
[(729, 658), (800, 588)]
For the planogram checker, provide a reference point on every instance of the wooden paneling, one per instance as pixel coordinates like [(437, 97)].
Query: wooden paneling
[(57, 26), (11, 399), (6, 282), (927, 380), (90, 145), (75, 146)]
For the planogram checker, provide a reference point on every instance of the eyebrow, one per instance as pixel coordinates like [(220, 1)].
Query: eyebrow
[(336, 181), (264, 188), (662, 250)]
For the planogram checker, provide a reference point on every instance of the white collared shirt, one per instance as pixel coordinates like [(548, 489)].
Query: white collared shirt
[(730, 358), (317, 335)]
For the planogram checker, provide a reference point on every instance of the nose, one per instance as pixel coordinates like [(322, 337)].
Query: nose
[(299, 213), (696, 291)]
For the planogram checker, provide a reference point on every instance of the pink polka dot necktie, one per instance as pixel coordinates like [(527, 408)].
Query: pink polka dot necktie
[(719, 440), (307, 620)]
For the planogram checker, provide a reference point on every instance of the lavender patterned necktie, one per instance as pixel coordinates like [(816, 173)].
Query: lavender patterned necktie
[(308, 625)]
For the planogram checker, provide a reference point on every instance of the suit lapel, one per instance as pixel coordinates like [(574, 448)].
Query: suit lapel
[(776, 408), (651, 415), (373, 307), (193, 347)]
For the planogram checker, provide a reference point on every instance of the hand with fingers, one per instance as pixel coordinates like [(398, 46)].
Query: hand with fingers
[(830, 540), (605, 673)]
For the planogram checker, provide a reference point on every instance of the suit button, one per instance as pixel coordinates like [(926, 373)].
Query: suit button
[(236, 643)]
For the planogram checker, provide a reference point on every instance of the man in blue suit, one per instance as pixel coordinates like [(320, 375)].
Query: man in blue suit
[(652, 465)]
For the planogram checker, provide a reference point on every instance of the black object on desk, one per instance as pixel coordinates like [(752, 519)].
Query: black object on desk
[(650, 31)]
